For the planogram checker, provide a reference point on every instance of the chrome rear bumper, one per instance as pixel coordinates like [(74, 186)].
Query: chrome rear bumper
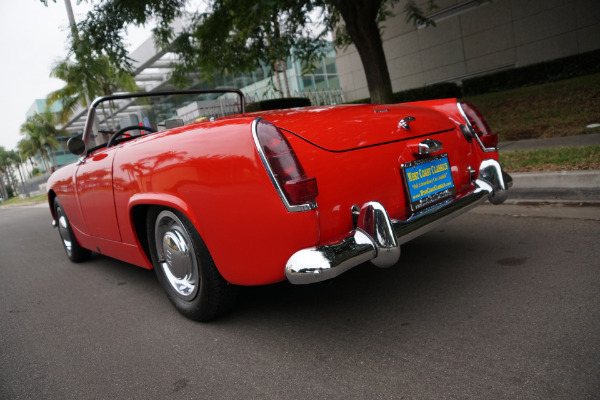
[(377, 237)]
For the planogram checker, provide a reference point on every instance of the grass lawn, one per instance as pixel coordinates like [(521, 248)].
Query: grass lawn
[(557, 159), (17, 200), (562, 108)]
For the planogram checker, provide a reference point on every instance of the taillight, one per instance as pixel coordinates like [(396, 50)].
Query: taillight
[(478, 125), (284, 168)]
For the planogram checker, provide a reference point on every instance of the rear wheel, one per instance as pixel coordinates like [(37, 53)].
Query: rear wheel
[(74, 251), (185, 268)]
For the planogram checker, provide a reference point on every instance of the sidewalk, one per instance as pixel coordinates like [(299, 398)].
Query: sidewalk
[(583, 186), (566, 141)]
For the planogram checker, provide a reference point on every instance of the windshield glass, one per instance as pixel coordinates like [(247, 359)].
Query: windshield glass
[(156, 112)]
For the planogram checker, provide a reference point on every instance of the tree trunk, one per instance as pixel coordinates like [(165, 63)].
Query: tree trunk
[(360, 17), (286, 79), (3, 191), (278, 77), (11, 176), (53, 154), (25, 189), (45, 159)]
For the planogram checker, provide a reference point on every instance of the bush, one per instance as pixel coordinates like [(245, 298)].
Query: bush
[(442, 90), (278, 104), (549, 71)]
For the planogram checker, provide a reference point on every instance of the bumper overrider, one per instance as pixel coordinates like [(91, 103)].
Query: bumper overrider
[(377, 237)]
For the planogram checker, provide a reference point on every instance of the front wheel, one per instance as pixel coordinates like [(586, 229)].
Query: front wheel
[(74, 251), (185, 268)]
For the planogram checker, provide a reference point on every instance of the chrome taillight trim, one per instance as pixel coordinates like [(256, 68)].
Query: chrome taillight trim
[(290, 207), (472, 130)]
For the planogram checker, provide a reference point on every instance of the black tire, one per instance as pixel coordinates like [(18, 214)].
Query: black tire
[(74, 251), (184, 267)]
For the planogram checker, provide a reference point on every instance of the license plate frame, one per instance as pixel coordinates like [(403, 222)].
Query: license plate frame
[(428, 180)]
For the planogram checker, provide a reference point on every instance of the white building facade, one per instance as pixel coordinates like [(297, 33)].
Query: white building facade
[(475, 37)]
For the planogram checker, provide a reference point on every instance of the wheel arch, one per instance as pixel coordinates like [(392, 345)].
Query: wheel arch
[(140, 207), (51, 196)]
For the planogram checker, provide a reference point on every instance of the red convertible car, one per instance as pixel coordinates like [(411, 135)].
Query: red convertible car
[(210, 197)]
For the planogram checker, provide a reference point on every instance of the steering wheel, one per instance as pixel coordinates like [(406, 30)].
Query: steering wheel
[(121, 131)]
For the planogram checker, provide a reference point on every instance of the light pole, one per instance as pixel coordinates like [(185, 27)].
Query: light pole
[(75, 35), (71, 17)]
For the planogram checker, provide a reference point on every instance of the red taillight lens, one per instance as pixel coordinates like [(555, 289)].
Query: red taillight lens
[(284, 165), (301, 191), (477, 122)]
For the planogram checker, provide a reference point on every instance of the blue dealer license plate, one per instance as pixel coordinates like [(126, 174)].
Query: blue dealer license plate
[(428, 180)]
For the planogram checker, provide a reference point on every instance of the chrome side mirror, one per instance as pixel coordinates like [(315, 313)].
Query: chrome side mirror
[(76, 145)]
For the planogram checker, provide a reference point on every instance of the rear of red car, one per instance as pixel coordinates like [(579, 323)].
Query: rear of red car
[(378, 176), (300, 194)]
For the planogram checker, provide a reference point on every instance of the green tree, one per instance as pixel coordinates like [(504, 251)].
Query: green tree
[(8, 160), (234, 34), (40, 137), (17, 161), (359, 22), (5, 162), (26, 150), (86, 78)]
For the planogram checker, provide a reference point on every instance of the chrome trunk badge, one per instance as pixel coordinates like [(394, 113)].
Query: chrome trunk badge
[(405, 122)]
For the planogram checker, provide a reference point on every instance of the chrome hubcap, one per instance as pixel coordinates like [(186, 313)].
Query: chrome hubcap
[(63, 230), (176, 255)]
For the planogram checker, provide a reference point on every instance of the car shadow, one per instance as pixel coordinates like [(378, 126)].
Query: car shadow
[(431, 268)]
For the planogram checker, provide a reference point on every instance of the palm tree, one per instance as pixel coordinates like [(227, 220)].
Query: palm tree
[(27, 154), (26, 149), (86, 80), (4, 165), (17, 161), (8, 161), (41, 136)]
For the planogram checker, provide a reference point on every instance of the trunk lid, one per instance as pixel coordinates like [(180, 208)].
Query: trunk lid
[(344, 128)]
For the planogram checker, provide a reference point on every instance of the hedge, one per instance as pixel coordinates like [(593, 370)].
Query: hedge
[(442, 90), (278, 104), (549, 71)]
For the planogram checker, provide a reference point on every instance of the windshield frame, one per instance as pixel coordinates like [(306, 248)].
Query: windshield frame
[(89, 123)]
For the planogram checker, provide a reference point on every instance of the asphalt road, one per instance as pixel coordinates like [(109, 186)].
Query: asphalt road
[(503, 302)]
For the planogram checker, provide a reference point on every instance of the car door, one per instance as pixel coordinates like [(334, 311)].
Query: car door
[(94, 183)]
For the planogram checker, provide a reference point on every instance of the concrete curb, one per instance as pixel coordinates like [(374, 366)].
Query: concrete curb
[(565, 141), (560, 185)]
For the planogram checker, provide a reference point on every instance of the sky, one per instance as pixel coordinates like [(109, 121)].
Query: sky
[(33, 38)]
